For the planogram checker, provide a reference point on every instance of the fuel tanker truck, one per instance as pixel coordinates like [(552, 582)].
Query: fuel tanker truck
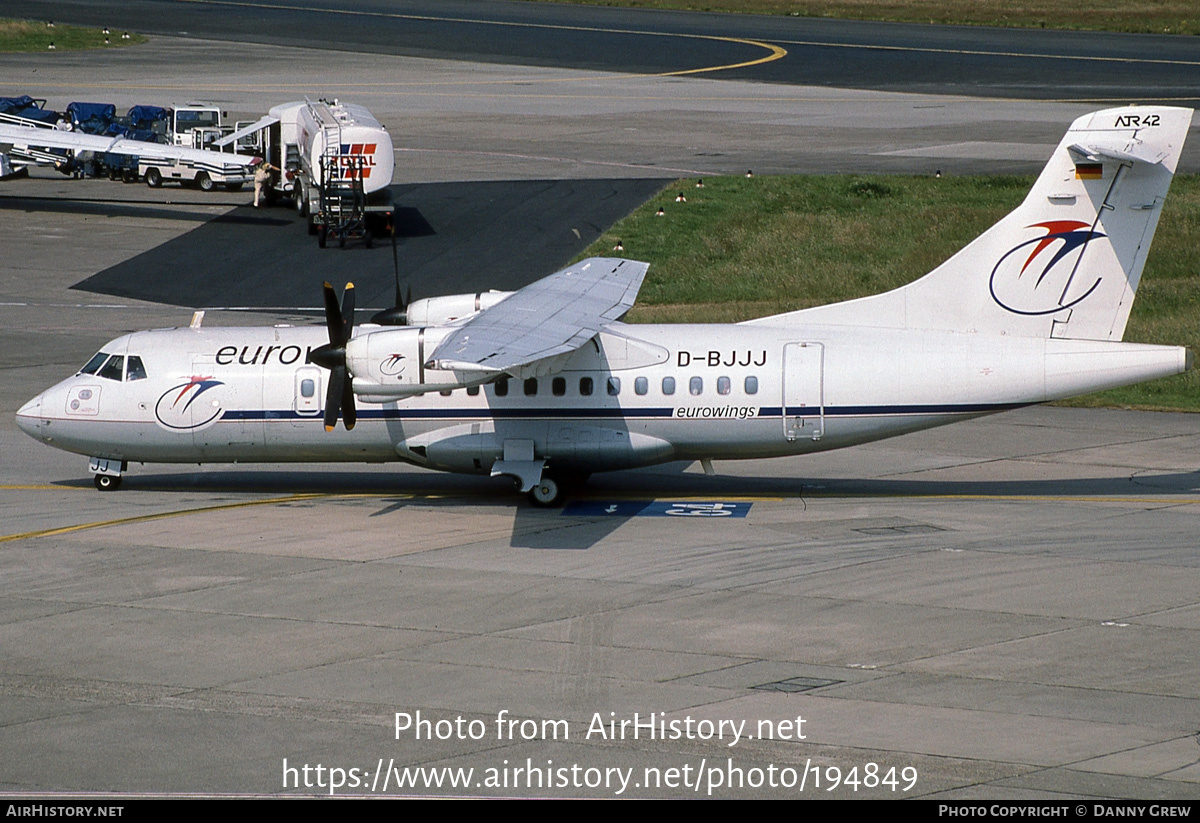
[(336, 164)]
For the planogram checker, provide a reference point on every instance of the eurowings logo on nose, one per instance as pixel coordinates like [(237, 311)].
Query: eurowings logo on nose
[(174, 408), (1058, 284)]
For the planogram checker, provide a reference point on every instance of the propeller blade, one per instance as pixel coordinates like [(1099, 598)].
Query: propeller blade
[(333, 396), (397, 315), (396, 268), (339, 397), (349, 412), (333, 316), (347, 316)]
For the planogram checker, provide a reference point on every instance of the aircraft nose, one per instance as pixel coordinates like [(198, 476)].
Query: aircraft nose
[(29, 417)]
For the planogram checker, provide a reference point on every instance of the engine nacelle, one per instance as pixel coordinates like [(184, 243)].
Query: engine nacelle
[(438, 311), (390, 363)]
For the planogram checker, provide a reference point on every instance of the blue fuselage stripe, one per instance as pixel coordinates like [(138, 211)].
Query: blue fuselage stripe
[(659, 413)]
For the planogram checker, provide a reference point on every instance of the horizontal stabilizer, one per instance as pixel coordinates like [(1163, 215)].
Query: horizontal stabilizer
[(1132, 151)]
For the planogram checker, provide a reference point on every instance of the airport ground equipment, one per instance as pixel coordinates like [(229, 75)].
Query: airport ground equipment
[(336, 163)]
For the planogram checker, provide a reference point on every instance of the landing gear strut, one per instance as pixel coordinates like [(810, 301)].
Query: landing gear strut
[(107, 473)]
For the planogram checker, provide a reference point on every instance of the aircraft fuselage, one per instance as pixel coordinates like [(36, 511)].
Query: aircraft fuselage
[(635, 396)]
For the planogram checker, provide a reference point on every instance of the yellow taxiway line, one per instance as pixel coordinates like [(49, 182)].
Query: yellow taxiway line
[(773, 52)]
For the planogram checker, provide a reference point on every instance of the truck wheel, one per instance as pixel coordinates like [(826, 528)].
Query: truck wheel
[(322, 234), (300, 196), (204, 182), (153, 178)]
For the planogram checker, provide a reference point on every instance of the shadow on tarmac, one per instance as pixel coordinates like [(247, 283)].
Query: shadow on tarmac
[(455, 238)]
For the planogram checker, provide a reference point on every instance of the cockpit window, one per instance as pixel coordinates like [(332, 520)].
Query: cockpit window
[(114, 369), (134, 370), (94, 364)]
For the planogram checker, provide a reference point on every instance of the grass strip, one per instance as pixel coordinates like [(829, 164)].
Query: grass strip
[(30, 36), (1142, 16)]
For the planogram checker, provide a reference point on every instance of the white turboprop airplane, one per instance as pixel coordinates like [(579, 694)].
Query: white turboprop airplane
[(545, 385)]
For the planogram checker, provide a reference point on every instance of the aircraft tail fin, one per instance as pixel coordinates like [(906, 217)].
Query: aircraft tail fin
[(1067, 262)]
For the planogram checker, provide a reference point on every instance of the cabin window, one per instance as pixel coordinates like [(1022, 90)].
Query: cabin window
[(501, 387), (114, 369), (134, 370), (668, 385), (473, 391), (723, 385), (531, 387), (95, 363), (641, 385), (751, 385), (308, 387), (696, 385), (614, 386), (558, 386), (585, 386)]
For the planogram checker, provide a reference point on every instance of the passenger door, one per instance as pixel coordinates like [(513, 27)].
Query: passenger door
[(804, 390)]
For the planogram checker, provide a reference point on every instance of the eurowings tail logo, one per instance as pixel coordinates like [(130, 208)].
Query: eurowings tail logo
[(1048, 278), (177, 407)]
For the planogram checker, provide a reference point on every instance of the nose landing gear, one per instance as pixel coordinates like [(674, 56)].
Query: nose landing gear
[(107, 482), (107, 473)]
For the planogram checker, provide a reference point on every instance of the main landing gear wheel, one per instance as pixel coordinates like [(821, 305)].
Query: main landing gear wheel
[(107, 482), (547, 493)]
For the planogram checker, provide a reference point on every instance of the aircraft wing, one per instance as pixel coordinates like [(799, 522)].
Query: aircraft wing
[(24, 136), (552, 317)]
